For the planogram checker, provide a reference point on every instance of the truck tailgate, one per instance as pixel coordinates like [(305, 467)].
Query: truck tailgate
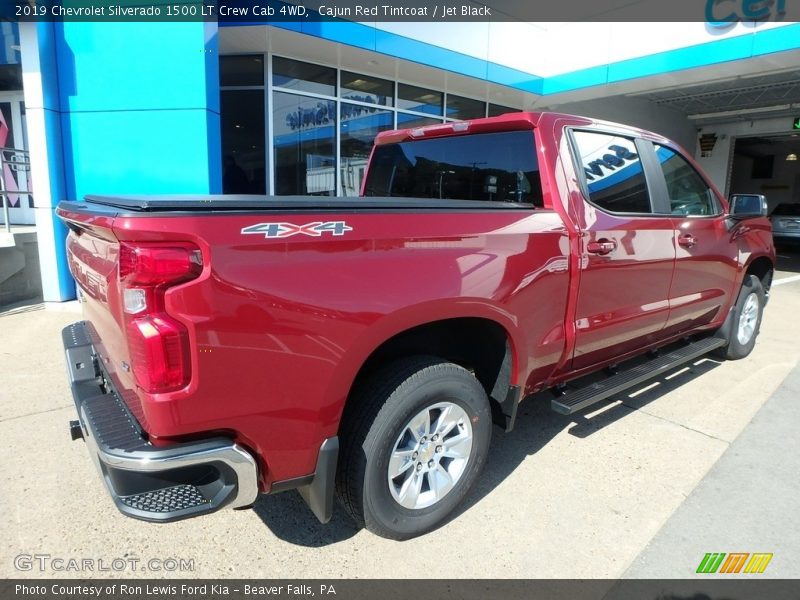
[(93, 258)]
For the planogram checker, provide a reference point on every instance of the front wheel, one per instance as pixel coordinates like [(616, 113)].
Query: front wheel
[(747, 315), (414, 439)]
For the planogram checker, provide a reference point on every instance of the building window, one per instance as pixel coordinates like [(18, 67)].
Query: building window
[(303, 76), (421, 100), (462, 108), (304, 145), (364, 88), (495, 110), (246, 70), (405, 121), (320, 133), (243, 157), (358, 128)]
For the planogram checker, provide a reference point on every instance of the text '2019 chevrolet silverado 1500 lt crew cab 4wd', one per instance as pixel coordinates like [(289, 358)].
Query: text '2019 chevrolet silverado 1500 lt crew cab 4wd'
[(363, 347)]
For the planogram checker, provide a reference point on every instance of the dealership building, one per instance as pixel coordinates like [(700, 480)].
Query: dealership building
[(292, 108)]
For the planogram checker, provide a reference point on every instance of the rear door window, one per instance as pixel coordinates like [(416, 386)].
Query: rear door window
[(613, 172), (499, 167)]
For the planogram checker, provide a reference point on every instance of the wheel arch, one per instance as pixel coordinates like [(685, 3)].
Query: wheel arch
[(762, 267), (449, 331)]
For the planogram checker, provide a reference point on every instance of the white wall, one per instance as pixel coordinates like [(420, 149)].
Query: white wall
[(547, 49), (607, 43), (638, 113)]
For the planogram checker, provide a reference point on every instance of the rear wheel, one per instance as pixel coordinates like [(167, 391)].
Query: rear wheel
[(414, 438), (747, 315)]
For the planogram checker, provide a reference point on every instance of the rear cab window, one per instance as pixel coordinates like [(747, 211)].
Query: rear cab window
[(496, 167)]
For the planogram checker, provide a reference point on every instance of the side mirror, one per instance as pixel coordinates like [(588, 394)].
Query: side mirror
[(748, 206)]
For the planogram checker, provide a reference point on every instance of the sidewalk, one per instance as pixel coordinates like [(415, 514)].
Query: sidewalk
[(748, 502)]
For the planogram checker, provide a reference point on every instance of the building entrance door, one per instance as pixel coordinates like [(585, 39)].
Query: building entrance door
[(14, 160)]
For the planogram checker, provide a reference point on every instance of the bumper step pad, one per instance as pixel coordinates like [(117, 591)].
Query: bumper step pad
[(166, 500), (574, 400)]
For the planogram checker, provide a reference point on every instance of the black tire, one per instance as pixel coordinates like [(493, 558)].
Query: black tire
[(378, 412), (739, 348)]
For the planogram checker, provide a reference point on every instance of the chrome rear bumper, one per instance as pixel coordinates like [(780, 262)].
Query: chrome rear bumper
[(148, 482)]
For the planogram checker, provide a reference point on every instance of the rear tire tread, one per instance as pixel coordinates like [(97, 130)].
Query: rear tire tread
[(368, 400), (364, 406), (734, 350)]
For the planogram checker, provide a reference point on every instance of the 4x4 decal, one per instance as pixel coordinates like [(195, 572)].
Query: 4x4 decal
[(284, 230)]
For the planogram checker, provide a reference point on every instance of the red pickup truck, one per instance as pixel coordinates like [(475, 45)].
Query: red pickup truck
[(362, 348)]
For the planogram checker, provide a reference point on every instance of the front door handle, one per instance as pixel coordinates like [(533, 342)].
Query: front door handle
[(687, 240), (601, 246)]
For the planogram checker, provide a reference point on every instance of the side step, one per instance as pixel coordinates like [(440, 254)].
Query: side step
[(573, 401)]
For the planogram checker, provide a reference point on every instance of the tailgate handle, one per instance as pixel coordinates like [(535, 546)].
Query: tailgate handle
[(601, 246)]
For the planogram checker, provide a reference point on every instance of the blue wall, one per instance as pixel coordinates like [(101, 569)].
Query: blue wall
[(129, 108), (139, 107)]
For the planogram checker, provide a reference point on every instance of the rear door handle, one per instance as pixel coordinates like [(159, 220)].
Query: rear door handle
[(601, 246), (687, 240)]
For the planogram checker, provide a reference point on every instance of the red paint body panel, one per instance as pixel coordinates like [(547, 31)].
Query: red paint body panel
[(279, 327)]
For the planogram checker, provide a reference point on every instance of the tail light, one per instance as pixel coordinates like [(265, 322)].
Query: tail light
[(158, 344)]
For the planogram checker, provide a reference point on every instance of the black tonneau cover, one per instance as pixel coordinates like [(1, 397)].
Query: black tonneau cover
[(241, 202)]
